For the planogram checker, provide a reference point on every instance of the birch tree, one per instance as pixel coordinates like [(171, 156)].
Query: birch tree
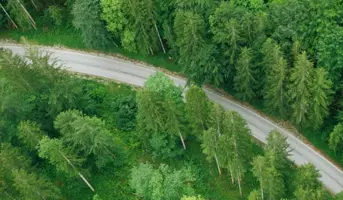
[(259, 164), (30, 133), (276, 150), (210, 146)]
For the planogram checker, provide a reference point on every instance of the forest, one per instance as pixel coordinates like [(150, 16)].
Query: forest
[(73, 133)]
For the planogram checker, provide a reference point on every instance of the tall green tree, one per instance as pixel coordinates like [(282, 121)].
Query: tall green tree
[(276, 150), (216, 118), (88, 135), (63, 158), (197, 110), (210, 146), (87, 19), (320, 95), (244, 79), (275, 89), (299, 89), (259, 164), (275, 187), (33, 187)]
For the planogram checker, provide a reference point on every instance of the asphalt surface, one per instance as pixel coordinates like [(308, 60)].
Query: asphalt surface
[(136, 74)]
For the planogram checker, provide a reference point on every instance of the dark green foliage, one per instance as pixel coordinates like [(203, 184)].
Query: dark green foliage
[(87, 19)]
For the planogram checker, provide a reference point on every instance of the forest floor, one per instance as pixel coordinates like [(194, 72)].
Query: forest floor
[(71, 39)]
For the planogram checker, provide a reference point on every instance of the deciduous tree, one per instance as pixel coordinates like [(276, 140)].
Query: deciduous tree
[(30, 133)]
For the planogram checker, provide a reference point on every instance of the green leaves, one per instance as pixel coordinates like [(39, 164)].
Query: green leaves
[(30, 133), (336, 138), (162, 183)]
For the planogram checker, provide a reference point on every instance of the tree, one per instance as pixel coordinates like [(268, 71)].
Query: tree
[(320, 95), (216, 117), (17, 9), (87, 19), (259, 164), (33, 187), (301, 80), (244, 79), (227, 30), (336, 138), (275, 90), (189, 29), (197, 109), (30, 133), (87, 135), (60, 156), (276, 150), (307, 178), (210, 146), (236, 143), (274, 184), (162, 183)]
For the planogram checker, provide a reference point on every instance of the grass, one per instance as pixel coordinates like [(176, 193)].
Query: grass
[(71, 39)]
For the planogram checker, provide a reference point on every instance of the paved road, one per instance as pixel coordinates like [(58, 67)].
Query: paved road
[(136, 74)]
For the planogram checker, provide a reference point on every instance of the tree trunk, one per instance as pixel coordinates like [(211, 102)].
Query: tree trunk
[(261, 185), (159, 37), (28, 14), (15, 25), (215, 157), (183, 142), (34, 4), (82, 177), (231, 174), (239, 183), (218, 129)]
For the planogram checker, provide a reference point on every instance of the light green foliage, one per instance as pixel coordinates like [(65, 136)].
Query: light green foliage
[(162, 183), (259, 164), (339, 196), (60, 156), (159, 117), (197, 109), (33, 187), (255, 195), (216, 117), (192, 198), (244, 79), (301, 80), (96, 197), (30, 133), (274, 184), (87, 135), (336, 138), (210, 144), (307, 177), (276, 150), (320, 97), (87, 19), (254, 5), (113, 14), (128, 41), (302, 194)]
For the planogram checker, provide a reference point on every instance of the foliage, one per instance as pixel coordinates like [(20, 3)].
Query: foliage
[(87, 19), (30, 133), (161, 183)]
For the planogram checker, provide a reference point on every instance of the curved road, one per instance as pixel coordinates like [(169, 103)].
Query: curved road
[(136, 74)]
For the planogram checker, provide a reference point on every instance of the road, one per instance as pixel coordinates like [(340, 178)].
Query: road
[(136, 74)]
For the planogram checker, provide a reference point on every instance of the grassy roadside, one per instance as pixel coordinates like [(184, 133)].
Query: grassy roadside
[(72, 39)]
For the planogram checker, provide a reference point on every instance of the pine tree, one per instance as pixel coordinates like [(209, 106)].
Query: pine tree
[(244, 79), (274, 184), (275, 91), (216, 118), (210, 146), (301, 80), (336, 138), (276, 150), (320, 97), (30, 133)]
